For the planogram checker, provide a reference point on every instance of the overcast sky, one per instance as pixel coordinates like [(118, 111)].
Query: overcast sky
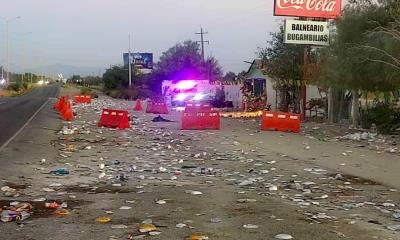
[(94, 33)]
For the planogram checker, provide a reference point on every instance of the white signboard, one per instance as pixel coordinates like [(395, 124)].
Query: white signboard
[(306, 32)]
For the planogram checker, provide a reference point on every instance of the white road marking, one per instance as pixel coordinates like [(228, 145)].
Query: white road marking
[(23, 127)]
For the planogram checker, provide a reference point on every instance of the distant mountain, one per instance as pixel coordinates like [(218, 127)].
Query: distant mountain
[(66, 70)]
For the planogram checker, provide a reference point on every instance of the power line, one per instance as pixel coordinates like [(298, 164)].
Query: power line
[(202, 33)]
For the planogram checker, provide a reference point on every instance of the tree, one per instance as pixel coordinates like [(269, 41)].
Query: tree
[(285, 66), (75, 78), (359, 60), (181, 61), (229, 77), (384, 45), (184, 61), (115, 77), (212, 71), (93, 80)]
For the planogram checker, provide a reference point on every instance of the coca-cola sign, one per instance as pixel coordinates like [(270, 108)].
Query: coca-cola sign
[(308, 8)]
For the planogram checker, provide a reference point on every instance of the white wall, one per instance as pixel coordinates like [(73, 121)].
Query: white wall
[(312, 92), (271, 94), (234, 93)]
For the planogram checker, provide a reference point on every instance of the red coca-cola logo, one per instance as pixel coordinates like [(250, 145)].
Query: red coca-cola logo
[(308, 8)]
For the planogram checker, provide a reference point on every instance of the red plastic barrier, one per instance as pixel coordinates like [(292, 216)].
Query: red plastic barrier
[(82, 99), (294, 123), (280, 121), (201, 120), (157, 108), (149, 107), (268, 121), (114, 119)]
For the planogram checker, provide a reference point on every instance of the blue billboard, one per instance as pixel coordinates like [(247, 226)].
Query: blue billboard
[(140, 60)]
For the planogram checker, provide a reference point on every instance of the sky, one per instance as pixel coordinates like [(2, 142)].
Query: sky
[(94, 33)]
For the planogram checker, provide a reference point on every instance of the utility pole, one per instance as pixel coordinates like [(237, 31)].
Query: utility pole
[(202, 33), (130, 63), (7, 22)]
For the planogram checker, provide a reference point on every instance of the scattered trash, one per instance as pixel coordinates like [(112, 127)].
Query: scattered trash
[(246, 200), (283, 236), (215, 220), (396, 216), (273, 188), (119, 226), (11, 216), (48, 190), (389, 205), (39, 200), (246, 183), (8, 189), (181, 225), (394, 227), (55, 205), (147, 227), (360, 136), (125, 208), (198, 236), (60, 172), (9, 192), (62, 212), (103, 219), (16, 212), (160, 119), (250, 226), (194, 192), (154, 233), (160, 202)]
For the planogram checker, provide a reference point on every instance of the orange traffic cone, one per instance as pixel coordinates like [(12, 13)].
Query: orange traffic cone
[(63, 108), (60, 103), (68, 115), (138, 106)]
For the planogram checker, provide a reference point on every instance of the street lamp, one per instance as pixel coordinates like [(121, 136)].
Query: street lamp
[(7, 22)]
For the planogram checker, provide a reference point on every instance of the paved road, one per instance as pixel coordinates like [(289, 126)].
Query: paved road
[(15, 112)]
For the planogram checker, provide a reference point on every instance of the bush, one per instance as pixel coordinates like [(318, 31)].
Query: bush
[(385, 117), (25, 85), (86, 91), (113, 93), (133, 93), (15, 87)]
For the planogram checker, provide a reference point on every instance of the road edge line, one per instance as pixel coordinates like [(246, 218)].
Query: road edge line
[(23, 126)]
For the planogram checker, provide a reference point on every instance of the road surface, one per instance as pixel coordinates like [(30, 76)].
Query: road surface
[(15, 112)]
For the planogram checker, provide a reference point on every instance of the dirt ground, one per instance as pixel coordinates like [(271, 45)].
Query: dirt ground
[(236, 183)]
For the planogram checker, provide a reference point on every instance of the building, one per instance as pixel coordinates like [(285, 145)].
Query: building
[(262, 85)]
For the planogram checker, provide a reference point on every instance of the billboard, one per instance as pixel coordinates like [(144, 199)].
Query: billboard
[(140, 60), (306, 32), (329, 9)]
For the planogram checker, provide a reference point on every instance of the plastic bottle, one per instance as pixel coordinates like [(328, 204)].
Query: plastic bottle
[(60, 172)]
